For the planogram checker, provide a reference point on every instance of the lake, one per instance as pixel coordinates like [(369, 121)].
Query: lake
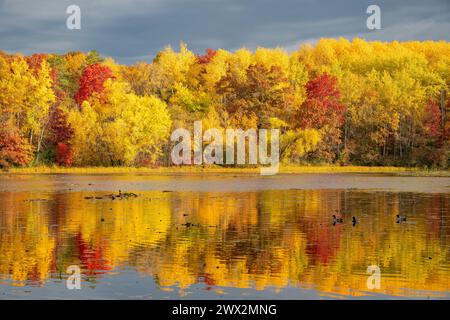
[(224, 236)]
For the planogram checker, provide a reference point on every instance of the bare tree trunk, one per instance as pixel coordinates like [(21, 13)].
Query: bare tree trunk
[(41, 138), (443, 111)]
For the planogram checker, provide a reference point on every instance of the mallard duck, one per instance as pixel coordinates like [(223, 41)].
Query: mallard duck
[(337, 220), (354, 221), (401, 218)]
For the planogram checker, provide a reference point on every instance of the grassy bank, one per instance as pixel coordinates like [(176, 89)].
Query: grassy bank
[(217, 169)]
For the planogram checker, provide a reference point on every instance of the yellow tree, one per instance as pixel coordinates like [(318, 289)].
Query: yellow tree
[(122, 128), (25, 97)]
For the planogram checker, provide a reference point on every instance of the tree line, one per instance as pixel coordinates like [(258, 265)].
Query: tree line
[(339, 101)]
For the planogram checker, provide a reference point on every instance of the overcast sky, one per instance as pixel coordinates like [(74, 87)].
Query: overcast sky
[(136, 29)]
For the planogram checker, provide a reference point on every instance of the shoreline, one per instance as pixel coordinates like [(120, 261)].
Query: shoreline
[(288, 169)]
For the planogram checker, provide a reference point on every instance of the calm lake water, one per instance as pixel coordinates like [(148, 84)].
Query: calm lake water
[(224, 236)]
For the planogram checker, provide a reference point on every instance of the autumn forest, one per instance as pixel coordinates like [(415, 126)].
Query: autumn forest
[(336, 102)]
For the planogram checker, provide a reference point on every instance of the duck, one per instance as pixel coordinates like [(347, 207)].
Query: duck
[(337, 220), (401, 218), (354, 221)]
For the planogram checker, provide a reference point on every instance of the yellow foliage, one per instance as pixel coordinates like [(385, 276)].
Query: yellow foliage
[(119, 129)]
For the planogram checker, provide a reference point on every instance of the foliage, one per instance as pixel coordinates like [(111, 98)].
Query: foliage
[(119, 127), (64, 154), (339, 101), (92, 82), (14, 149)]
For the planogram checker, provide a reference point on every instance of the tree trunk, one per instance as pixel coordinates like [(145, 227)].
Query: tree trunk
[(41, 137)]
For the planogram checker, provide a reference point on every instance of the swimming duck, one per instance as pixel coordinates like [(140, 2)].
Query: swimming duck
[(401, 219), (354, 221), (337, 220)]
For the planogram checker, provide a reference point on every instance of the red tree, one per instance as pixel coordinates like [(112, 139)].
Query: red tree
[(35, 61), (322, 104), (62, 132), (432, 120), (206, 58), (14, 150), (64, 154), (91, 81)]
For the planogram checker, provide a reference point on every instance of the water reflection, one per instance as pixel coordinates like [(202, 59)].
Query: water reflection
[(248, 240)]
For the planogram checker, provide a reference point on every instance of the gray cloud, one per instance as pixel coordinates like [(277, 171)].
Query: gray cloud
[(137, 29)]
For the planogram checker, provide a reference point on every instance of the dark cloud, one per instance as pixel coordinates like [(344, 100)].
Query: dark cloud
[(137, 29)]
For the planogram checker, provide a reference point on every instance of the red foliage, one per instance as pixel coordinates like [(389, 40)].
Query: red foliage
[(35, 61), (61, 133), (64, 155), (91, 81), (322, 105), (61, 130), (54, 77), (432, 120), (14, 150), (206, 58)]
